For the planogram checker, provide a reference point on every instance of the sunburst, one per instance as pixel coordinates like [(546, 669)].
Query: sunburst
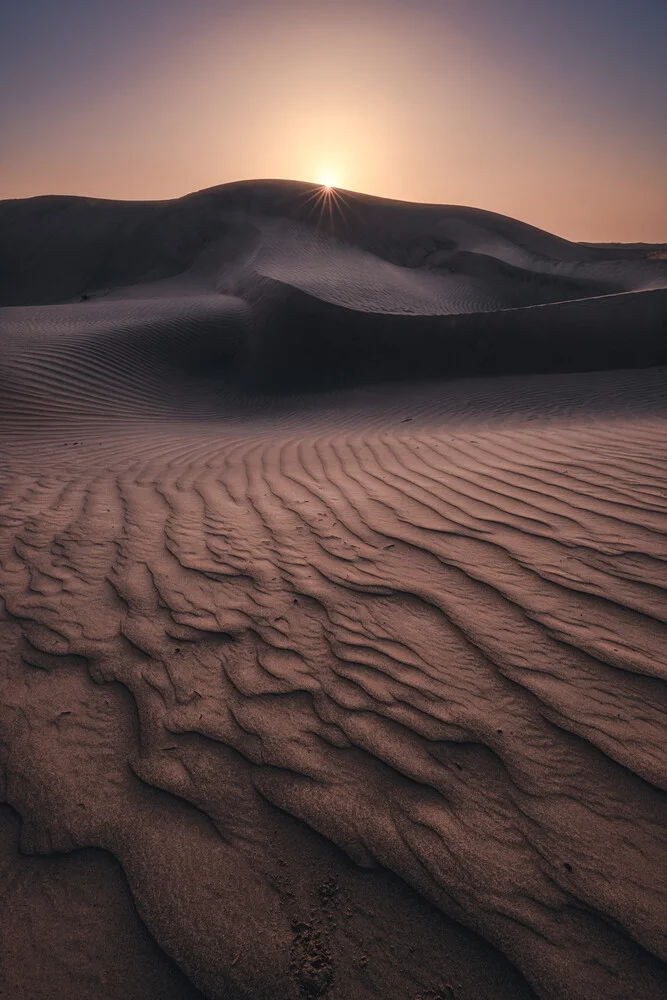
[(329, 200)]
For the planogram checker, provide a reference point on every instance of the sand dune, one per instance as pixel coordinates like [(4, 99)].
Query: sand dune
[(352, 693), (287, 292)]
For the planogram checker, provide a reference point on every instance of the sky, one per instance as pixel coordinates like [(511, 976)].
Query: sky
[(550, 111)]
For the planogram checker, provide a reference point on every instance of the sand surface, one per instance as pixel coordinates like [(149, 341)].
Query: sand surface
[(332, 603)]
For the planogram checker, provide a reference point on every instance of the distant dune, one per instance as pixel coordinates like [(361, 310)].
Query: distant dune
[(332, 603), (287, 292)]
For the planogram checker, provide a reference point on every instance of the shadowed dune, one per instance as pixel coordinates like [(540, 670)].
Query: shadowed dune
[(298, 288), (360, 694)]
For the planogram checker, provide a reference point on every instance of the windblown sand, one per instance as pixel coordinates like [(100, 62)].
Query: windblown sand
[(332, 590)]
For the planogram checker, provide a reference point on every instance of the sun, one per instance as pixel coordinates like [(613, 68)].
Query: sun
[(328, 180)]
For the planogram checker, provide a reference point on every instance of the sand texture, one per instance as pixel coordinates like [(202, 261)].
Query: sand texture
[(333, 630)]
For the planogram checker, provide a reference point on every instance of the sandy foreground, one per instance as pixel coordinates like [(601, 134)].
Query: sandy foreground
[(332, 603)]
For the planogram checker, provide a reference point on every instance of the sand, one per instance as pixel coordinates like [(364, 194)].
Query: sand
[(332, 618)]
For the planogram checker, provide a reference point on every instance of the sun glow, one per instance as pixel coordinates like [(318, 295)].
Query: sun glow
[(328, 180)]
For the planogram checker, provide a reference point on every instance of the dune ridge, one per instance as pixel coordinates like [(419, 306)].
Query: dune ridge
[(356, 693), (414, 291)]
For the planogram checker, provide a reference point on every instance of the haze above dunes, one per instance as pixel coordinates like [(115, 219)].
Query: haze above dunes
[(332, 566)]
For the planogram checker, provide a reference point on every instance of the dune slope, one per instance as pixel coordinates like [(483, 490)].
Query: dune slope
[(349, 694)]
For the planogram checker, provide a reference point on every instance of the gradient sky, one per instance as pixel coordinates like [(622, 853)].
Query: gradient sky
[(551, 111)]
